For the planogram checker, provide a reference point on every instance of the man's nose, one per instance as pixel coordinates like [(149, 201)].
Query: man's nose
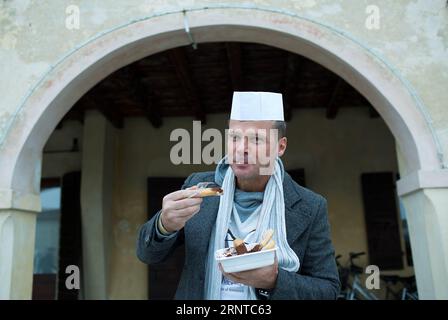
[(242, 146)]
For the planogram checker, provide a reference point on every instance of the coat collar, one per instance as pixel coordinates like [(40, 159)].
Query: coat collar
[(297, 214)]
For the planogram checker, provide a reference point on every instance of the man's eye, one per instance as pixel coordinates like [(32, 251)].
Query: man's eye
[(254, 139), (234, 138)]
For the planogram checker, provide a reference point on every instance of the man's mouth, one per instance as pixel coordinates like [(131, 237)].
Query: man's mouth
[(242, 166), (242, 163)]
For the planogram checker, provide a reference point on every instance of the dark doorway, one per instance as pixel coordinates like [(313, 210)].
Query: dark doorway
[(70, 246), (164, 277), (381, 215)]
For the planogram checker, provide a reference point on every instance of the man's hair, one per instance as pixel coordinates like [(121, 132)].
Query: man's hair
[(281, 127)]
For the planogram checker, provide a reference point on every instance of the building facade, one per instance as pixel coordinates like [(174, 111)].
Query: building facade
[(394, 53)]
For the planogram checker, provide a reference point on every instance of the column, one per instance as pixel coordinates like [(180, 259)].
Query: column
[(96, 203)]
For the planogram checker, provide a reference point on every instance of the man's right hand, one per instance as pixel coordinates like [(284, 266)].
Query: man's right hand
[(177, 209)]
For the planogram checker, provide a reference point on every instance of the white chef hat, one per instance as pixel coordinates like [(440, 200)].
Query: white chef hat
[(257, 105)]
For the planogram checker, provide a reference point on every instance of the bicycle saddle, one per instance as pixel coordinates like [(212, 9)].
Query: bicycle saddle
[(356, 254)]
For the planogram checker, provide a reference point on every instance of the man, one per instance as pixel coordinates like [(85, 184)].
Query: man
[(258, 195)]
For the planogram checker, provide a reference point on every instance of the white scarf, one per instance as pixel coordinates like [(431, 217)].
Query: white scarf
[(272, 217)]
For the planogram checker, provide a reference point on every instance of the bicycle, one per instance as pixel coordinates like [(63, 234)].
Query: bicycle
[(354, 290), (344, 275), (408, 289), (357, 290)]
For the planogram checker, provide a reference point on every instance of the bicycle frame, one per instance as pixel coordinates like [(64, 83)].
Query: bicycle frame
[(357, 288)]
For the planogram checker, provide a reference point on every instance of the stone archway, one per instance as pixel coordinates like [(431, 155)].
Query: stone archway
[(83, 67)]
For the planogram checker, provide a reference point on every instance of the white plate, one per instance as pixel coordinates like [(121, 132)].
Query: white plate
[(247, 261)]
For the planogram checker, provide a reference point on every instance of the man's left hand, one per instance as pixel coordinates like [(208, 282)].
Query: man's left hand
[(262, 278)]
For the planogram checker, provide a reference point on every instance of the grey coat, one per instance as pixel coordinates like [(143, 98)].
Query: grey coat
[(308, 234)]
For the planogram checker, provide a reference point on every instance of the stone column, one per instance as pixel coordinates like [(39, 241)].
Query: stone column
[(17, 235), (96, 204), (427, 214), (425, 198)]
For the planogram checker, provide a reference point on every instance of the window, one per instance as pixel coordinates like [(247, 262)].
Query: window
[(46, 248)]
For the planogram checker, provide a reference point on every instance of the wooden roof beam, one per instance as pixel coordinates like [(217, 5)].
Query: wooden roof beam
[(143, 99), (178, 58), (332, 107), (233, 50), (290, 79), (106, 107)]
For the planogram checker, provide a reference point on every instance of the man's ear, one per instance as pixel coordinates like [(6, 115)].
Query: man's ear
[(282, 143)]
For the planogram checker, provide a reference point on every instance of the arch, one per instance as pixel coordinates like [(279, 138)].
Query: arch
[(94, 60)]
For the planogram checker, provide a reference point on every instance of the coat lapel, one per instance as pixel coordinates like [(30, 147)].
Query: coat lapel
[(297, 213)]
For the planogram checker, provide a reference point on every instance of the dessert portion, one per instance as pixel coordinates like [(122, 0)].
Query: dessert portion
[(204, 190), (209, 192), (239, 247)]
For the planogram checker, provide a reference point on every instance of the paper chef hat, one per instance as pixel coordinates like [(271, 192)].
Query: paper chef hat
[(257, 105)]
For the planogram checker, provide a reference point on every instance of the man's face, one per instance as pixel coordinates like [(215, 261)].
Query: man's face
[(252, 147)]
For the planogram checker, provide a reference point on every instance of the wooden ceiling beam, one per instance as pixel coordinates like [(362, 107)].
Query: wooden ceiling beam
[(233, 50), (142, 97), (290, 79), (332, 107), (106, 106), (75, 113), (178, 58)]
